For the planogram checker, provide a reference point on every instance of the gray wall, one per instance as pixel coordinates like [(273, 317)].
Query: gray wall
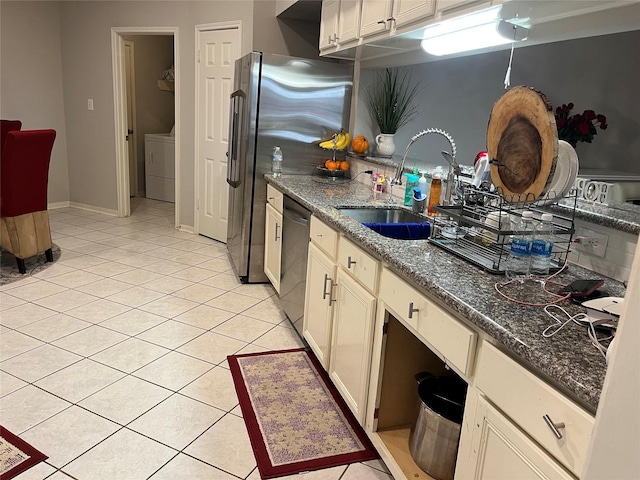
[(155, 108), (56, 55), (283, 36), (31, 79), (599, 73), (87, 73)]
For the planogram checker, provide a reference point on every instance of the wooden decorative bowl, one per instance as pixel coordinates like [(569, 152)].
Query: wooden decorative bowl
[(522, 144)]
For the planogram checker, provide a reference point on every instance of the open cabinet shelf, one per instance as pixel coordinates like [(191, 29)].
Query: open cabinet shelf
[(397, 404), (397, 442)]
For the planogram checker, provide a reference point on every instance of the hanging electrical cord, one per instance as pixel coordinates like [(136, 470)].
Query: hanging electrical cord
[(507, 77)]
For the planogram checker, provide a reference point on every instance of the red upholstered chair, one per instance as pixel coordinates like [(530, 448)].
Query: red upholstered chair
[(7, 126), (24, 176)]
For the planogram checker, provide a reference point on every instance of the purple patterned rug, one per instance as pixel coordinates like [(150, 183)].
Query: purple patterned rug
[(295, 417)]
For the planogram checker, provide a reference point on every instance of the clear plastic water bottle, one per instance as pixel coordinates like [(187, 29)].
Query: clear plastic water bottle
[(276, 163), (542, 247), (520, 253)]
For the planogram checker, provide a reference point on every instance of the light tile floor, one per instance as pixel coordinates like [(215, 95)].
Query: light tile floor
[(113, 360)]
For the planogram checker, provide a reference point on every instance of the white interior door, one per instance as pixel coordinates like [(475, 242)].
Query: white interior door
[(131, 117), (218, 50)]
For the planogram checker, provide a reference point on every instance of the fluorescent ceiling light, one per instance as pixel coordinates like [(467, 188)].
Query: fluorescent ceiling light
[(470, 32)]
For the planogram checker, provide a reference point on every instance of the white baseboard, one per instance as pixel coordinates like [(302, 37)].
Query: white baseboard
[(186, 228), (83, 206)]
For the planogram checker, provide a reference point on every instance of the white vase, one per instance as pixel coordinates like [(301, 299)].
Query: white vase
[(384, 144)]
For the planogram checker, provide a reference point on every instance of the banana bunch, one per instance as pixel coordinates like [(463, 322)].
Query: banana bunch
[(339, 141)]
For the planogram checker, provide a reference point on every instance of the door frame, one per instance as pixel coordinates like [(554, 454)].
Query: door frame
[(132, 101), (120, 112), (205, 27)]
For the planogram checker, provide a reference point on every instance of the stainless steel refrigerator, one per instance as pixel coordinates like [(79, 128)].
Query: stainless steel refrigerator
[(284, 101)]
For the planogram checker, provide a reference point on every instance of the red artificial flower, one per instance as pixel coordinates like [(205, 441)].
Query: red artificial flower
[(579, 127)]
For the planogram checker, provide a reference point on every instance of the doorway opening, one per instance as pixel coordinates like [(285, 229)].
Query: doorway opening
[(146, 96)]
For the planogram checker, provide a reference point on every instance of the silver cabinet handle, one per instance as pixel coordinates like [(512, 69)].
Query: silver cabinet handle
[(276, 233), (350, 262), (412, 310), (383, 22), (555, 427), (327, 278)]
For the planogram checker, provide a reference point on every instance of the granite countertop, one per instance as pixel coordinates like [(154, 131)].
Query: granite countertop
[(617, 215), (567, 360)]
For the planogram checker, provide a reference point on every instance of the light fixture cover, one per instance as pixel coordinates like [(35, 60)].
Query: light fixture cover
[(471, 32)]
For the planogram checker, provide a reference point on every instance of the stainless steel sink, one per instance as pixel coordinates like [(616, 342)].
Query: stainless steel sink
[(391, 222), (382, 215)]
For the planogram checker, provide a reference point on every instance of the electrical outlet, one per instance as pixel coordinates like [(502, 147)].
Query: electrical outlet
[(593, 243)]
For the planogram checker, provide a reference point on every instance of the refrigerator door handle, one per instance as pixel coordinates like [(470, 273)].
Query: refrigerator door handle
[(235, 120)]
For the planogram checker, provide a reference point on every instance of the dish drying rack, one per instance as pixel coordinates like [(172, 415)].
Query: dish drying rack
[(471, 230)]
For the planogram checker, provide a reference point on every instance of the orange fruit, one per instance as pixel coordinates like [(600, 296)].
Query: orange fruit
[(331, 165), (326, 162), (344, 166)]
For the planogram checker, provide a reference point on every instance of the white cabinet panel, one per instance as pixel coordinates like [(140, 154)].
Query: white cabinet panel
[(375, 17), (409, 11), (348, 21), (526, 399), (275, 197), (324, 236), (502, 451), (361, 265), (273, 246), (352, 334), (318, 306), (445, 334), (329, 23)]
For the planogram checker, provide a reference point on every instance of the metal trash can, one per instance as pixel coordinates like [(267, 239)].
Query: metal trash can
[(434, 437)]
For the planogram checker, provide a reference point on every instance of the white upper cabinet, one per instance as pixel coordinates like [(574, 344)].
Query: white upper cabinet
[(348, 21), (376, 17), (339, 24), (329, 23), (409, 11)]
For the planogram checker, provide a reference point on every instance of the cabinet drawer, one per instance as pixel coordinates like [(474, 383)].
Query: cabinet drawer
[(274, 197), (361, 265), (324, 236), (526, 399), (435, 327)]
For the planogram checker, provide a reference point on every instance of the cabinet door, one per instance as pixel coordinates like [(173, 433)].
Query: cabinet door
[(376, 16), (409, 11), (352, 338), (273, 246), (318, 305), (501, 450), (348, 20), (329, 23)]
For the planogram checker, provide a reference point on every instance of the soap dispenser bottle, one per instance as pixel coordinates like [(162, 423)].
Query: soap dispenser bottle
[(435, 192)]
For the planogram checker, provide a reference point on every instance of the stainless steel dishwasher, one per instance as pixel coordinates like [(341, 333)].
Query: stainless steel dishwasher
[(295, 243)]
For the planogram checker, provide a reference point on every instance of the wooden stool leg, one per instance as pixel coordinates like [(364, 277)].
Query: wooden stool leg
[(21, 267), (49, 254)]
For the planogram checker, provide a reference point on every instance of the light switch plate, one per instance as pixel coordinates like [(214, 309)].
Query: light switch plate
[(90, 104)]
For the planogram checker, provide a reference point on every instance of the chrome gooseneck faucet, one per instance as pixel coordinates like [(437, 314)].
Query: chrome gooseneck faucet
[(454, 168)]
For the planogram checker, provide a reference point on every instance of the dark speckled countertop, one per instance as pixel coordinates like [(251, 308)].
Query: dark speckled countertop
[(567, 359)]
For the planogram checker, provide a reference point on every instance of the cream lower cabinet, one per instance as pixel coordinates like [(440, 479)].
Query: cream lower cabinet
[(554, 423), (502, 451), (340, 308), (273, 246), (319, 301), (352, 337)]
